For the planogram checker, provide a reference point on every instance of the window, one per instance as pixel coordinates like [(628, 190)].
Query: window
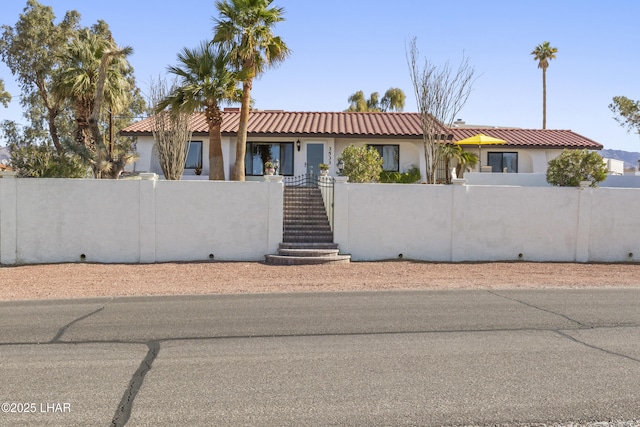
[(499, 161), (194, 156), (391, 156), (280, 153)]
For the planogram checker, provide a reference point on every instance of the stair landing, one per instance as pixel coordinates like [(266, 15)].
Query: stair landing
[(307, 254)]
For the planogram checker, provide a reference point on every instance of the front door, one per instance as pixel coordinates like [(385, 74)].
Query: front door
[(315, 156)]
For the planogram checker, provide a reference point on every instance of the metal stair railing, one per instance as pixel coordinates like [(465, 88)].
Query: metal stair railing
[(312, 182)]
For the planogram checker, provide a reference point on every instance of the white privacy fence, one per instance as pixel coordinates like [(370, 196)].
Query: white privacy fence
[(131, 221), (487, 223), (540, 180), (149, 220)]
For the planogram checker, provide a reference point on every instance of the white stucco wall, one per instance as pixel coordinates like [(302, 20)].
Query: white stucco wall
[(487, 223), (409, 151), (540, 180), (59, 220), (131, 221), (227, 219), (530, 161), (146, 220)]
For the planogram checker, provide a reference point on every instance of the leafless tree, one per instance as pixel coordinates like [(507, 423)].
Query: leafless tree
[(170, 132), (440, 92)]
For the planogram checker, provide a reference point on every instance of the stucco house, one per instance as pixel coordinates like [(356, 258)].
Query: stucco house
[(299, 141)]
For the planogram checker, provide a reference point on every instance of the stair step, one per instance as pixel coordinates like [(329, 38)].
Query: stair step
[(307, 239), (307, 235), (305, 260), (308, 252), (308, 245), (311, 227), (290, 232)]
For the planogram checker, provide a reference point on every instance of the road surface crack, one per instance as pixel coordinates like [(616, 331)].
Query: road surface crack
[(63, 330), (582, 325), (123, 412), (595, 347)]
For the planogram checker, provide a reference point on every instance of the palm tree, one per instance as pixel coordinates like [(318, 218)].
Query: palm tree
[(245, 30), (466, 160), (205, 82), (543, 53), (449, 152), (93, 75)]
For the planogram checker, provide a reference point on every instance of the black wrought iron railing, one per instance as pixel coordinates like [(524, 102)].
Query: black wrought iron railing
[(312, 186)]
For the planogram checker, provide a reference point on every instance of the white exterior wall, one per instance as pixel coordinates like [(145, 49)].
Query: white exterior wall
[(58, 220), (227, 219), (530, 161), (533, 160), (131, 221), (410, 153), (540, 180), (486, 223), (614, 166)]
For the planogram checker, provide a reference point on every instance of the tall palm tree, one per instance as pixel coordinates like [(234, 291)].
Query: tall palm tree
[(93, 76), (543, 53), (245, 30), (205, 82)]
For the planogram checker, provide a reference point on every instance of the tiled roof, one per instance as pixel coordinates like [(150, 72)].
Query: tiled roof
[(373, 125), (531, 137), (305, 124)]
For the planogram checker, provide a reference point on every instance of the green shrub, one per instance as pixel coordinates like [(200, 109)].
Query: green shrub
[(409, 177), (574, 166), (42, 161), (361, 164)]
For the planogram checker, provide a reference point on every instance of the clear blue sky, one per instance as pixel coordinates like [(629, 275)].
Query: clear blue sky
[(343, 46)]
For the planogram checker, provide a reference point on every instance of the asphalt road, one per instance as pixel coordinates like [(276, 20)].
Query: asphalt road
[(359, 359)]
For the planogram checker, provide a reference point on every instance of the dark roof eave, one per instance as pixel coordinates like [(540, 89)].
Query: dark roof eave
[(134, 134)]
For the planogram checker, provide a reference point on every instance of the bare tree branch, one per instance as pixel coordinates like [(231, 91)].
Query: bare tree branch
[(170, 131), (440, 92)]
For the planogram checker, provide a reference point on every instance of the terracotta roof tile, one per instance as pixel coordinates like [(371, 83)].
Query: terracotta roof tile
[(543, 138), (305, 123), (392, 125)]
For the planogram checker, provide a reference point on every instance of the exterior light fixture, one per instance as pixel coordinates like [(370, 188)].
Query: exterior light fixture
[(298, 145), (276, 165), (340, 166)]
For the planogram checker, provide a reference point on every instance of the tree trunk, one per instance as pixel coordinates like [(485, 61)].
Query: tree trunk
[(99, 96), (216, 161), (241, 144), (52, 113), (544, 98), (53, 130)]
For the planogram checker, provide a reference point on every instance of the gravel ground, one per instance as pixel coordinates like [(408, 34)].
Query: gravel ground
[(54, 281)]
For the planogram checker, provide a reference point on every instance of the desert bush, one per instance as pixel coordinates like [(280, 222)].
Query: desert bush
[(361, 164), (574, 166)]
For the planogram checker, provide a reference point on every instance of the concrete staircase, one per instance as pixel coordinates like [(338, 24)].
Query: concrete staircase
[(307, 236)]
